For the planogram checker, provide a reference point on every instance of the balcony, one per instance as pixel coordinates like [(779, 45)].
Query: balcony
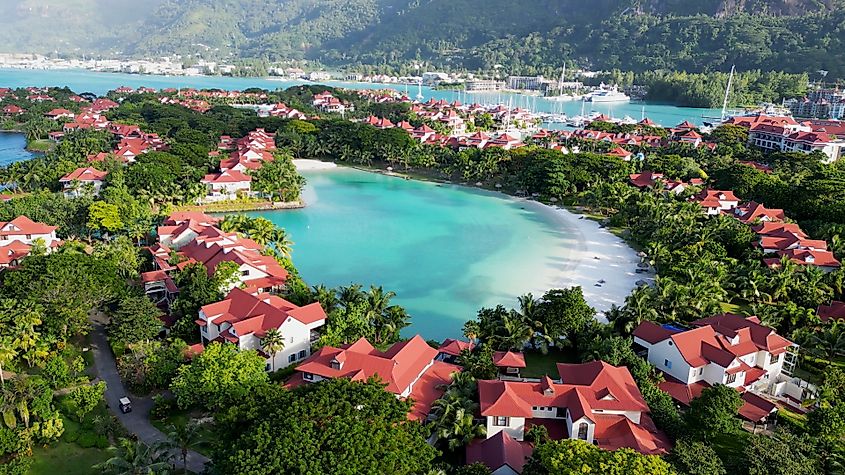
[(313, 337)]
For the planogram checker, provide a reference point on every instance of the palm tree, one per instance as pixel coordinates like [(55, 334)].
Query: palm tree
[(136, 458), (281, 243), (326, 296), (378, 303), (273, 342), (455, 424), (350, 295), (185, 437), (261, 230), (829, 342), (471, 330)]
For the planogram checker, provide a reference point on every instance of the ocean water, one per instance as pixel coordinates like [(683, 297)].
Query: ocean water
[(100, 83), (445, 250)]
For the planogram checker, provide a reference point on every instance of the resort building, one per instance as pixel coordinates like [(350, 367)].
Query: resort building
[(226, 185), (754, 212), (595, 402), (785, 134), (189, 237), (17, 237), (727, 349), (83, 180), (716, 201), (408, 368), (244, 319)]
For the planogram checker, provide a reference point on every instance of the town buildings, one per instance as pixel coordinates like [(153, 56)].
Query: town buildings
[(785, 134)]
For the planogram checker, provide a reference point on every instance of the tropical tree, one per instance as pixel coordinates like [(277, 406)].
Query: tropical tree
[(185, 437), (273, 342), (136, 458)]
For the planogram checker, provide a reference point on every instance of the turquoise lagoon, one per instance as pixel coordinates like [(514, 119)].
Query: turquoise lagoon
[(13, 148), (446, 250)]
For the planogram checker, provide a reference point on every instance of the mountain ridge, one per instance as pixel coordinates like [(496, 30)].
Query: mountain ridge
[(444, 33)]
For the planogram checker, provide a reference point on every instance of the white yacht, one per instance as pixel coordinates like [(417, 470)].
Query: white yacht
[(607, 94)]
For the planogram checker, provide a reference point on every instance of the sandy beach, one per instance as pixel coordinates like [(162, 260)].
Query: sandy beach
[(305, 164), (597, 254)]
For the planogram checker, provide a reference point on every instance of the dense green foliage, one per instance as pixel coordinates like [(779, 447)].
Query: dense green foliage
[(337, 426), (568, 456)]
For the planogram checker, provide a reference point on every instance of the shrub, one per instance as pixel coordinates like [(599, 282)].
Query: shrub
[(87, 439), (162, 407), (102, 442)]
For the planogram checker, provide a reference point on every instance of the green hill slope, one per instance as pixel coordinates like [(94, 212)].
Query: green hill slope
[(796, 35)]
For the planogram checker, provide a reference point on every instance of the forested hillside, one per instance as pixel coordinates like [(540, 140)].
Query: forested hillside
[(527, 36)]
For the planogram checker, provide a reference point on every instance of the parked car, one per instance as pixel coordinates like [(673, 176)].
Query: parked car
[(125, 405)]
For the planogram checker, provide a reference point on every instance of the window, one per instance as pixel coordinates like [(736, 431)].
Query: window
[(582, 431), (774, 359), (302, 353), (308, 376), (731, 378), (701, 371), (501, 421), (667, 364), (292, 358), (267, 367)]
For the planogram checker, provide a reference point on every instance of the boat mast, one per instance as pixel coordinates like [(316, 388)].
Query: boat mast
[(727, 94)]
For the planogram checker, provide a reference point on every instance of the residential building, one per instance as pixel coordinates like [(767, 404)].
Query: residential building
[(408, 368), (244, 319), (716, 201), (226, 185), (595, 402), (17, 237), (725, 349), (77, 182)]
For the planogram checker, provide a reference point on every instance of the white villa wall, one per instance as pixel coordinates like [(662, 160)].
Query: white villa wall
[(666, 350), (515, 427)]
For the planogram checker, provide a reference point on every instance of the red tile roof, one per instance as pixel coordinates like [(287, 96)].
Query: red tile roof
[(498, 451), (755, 408), (834, 311), (454, 347), (84, 174), (508, 359), (256, 314), (615, 432), (398, 367), (24, 225)]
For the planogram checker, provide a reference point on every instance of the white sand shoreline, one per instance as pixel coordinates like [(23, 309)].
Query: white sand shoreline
[(307, 164), (596, 254)]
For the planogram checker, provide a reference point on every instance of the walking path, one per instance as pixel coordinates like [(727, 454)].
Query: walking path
[(138, 421)]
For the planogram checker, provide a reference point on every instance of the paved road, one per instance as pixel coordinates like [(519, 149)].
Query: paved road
[(138, 421)]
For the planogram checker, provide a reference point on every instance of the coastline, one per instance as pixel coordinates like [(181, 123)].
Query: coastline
[(617, 260), (597, 254)]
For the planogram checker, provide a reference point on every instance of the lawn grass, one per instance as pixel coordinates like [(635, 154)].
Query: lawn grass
[(66, 458), (42, 145), (729, 448), (539, 365)]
